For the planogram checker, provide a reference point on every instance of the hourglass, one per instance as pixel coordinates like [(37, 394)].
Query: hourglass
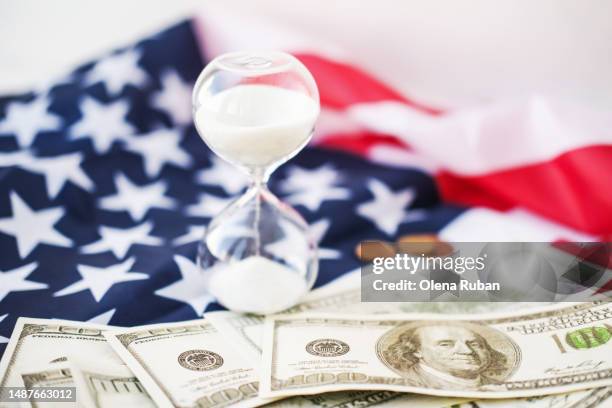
[(256, 110)]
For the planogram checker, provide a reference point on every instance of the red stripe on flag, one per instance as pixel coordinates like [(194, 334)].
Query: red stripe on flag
[(341, 85), (573, 188)]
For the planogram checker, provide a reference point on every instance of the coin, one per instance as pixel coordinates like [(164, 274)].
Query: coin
[(417, 244), (443, 249), (424, 244), (366, 251)]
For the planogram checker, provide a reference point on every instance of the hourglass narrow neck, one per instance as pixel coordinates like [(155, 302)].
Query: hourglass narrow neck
[(259, 176), (257, 188), (258, 192)]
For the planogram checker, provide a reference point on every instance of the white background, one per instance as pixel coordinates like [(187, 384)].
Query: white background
[(445, 52)]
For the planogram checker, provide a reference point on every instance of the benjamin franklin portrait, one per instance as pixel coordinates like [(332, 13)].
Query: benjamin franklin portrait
[(449, 355)]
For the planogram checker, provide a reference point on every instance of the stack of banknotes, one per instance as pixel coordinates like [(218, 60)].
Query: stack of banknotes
[(329, 351)]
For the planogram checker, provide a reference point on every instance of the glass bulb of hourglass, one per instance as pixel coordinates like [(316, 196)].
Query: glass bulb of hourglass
[(256, 110)]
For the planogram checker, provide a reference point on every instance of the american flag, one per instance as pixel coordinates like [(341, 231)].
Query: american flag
[(105, 186)]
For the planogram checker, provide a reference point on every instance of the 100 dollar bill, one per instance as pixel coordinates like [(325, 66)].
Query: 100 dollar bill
[(39, 353), (187, 364), (38, 342), (556, 350), (342, 295), (593, 398)]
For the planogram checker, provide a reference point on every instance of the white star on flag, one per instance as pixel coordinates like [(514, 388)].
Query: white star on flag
[(190, 289), (311, 188), (31, 228), (58, 170), (312, 199), (208, 205), (103, 318), (194, 233), (119, 240), (117, 71), (99, 280), (25, 120), (137, 200), (318, 231), (103, 124), (174, 98), (300, 179), (17, 158), (387, 210), (158, 148), (223, 174), (2, 338), (15, 280)]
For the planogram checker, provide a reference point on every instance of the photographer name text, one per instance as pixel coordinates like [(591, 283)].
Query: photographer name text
[(427, 284)]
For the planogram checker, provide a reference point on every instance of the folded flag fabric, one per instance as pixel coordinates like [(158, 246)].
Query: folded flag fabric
[(105, 187)]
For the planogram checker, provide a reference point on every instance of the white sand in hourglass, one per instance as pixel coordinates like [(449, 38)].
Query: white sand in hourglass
[(256, 285), (257, 125)]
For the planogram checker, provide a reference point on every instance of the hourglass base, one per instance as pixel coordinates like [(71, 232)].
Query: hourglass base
[(257, 256)]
